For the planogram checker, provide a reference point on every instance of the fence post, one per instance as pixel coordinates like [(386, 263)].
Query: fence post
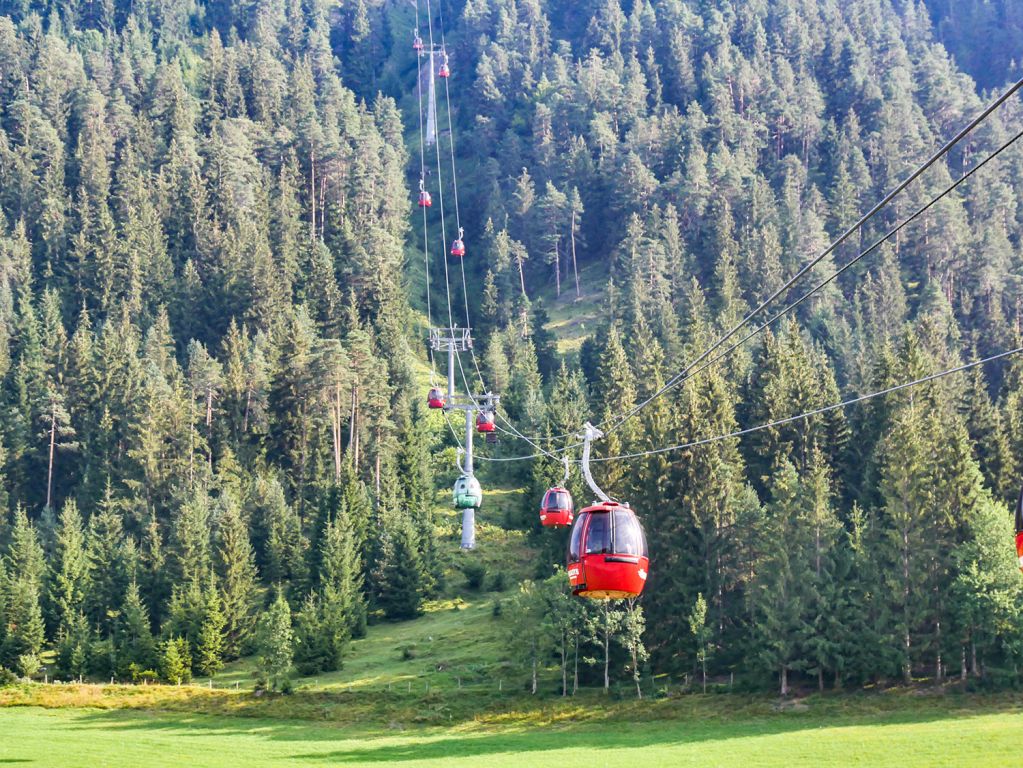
[(410, 686), (500, 685)]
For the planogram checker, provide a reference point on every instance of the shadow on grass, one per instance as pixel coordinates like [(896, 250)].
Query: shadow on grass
[(616, 731)]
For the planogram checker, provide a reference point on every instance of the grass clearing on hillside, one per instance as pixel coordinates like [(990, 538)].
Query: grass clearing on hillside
[(573, 320), (954, 732)]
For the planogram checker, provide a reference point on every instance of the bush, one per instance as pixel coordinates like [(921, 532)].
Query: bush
[(139, 675), (7, 677), (497, 610), (29, 664), (408, 653), (176, 661), (500, 582), (475, 574)]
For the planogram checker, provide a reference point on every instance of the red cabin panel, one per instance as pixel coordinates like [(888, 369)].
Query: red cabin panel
[(485, 422), (425, 201), (556, 509), (607, 555), (1019, 531), (444, 71), (435, 399), (458, 248)]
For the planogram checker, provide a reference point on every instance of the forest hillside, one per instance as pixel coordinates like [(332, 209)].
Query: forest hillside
[(215, 297)]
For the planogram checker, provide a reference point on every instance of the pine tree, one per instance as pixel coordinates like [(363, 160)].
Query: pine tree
[(69, 581), (176, 661), (397, 587), (275, 646), (209, 646), (23, 566), (780, 597), (136, 649), (236, 570)]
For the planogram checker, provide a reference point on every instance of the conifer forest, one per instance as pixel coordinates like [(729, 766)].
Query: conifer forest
[(216, 292)]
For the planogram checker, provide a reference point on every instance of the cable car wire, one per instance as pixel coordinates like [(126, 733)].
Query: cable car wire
[(614, 423), (422, 177), (690, 372), (511, 429), (810, 414), (940, 153)]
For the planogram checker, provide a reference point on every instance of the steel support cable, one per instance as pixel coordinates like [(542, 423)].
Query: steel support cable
[(511, 429), (422, 180), (615, 423), (810, 414), (870, 249), (691, 371), (940, 153), (440, 180)]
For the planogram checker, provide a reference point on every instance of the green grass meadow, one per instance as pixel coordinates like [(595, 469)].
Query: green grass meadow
[(940, 736), (442, 690)]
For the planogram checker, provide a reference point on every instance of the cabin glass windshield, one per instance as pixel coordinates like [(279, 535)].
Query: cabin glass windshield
[(598, 534), (576, 543), (629, 539), (558, 500)]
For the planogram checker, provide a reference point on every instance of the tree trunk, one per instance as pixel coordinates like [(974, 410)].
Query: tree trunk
[(575, 268), (557, 271), (53, 444), (564, 665), (248, 407), (209, 426), (522, 278), (312, 195), (635, 670), (575, 673), (820, 678), (335, 413), (534, 666), (784, 680)]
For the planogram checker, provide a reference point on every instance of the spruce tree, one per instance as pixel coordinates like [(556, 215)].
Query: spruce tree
[(136, 649), (236, 569), (275, 646)]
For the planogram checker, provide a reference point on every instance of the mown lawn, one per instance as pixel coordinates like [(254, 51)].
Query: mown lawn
[(939, 736)]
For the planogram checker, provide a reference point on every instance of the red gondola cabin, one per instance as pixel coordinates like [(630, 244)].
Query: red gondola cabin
[(458, 248), (556, 509), (417, 43), (607, 554), (485, 422), (1019, 531), (425, 201), (444, 71), (435, 399)]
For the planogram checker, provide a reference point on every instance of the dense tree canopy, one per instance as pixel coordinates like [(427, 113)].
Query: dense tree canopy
[(213, 298)]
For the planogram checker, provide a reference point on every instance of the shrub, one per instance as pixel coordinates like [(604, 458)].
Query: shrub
[(408, 653), (29, 664), (475, 574), (500, 582), (7, 677)]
